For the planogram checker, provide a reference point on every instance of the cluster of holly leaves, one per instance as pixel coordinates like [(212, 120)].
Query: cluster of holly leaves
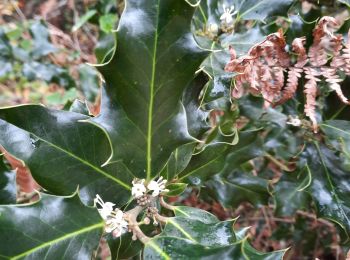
[(32, 64), (166, 110)]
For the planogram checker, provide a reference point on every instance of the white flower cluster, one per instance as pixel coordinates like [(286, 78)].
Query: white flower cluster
[(114, 218), (139, 189)]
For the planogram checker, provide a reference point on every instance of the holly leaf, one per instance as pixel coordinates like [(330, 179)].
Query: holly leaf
[(242, 42), (52, 228), (123, 247), (63, 152), (239, 187), (329, 186), (8, 189), (197, 234), (175, 189), (222, 158), (153, 63), (291, 188)]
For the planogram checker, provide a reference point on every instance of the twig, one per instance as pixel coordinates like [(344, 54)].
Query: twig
[(166, 205), (161, 218), (131, 218)]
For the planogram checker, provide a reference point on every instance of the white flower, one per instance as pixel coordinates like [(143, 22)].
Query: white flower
[(138, 188), (157, 186), (116, 223), (228, 14), (294, 121), (105, 208)]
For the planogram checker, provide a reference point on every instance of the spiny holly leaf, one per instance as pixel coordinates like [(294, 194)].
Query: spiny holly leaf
[(197, 234), (238, 187), (153, 63), (290, 192), (222, 157), (329, 186), (8, 188), (196, 116), (52, 228), (62, 152)]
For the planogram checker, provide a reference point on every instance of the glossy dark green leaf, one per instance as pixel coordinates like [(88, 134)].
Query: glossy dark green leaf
[(179, 160), (329, 187), (242, 42), (239, 187), (62, 152), (222, 157), (290, 192), (196, 234), (153, 63), (218, 234), (123, 247), (220, 83), (175, 189), (8, 189), (52, 228), (195, 214), (261, 9), (196, 116), (105, 47)]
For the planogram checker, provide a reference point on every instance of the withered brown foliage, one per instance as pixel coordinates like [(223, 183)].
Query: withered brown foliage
[(268, 69)]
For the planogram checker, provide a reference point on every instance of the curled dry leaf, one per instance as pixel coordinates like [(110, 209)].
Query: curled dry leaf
[(262, 69), (24, 179)]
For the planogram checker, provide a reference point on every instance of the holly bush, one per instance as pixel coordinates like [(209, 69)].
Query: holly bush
[(171, 122)]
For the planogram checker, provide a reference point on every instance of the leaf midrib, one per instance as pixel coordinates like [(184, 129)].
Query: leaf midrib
[(85, 162), (150, 106), (59, 239)]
